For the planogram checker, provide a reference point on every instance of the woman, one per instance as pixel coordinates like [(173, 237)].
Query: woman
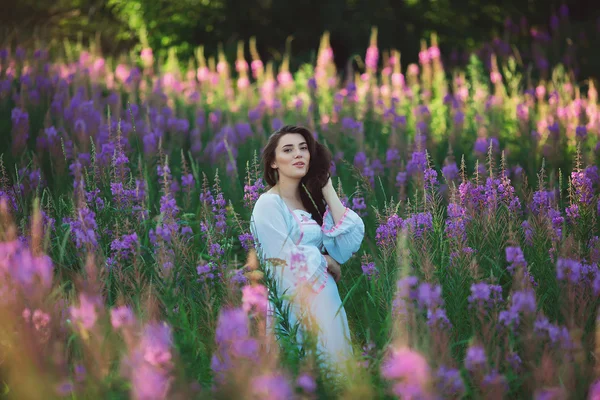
[(294, 223)]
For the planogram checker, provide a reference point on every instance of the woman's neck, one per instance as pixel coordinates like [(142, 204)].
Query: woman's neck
[(288, 189)]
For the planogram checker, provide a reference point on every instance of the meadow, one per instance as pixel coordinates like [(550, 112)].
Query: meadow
[(127, 184)]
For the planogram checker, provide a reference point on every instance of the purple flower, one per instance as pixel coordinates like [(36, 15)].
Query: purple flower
[(495, 379), (387, 232), (568, 270), (370, 270), (358, 205), (360, 160), (84, 228), (450, 172), (232, 325), (271, 387), (419, 224), (449, 382), (437, 317), (528, 232), (524, 301), (430, 178), (417, 163), (515, 257), (484, 294), (475, 358), (583, 187), (392, 157), (581, 132), (429, 296), (306, 383), (247, 241), (401, 179)]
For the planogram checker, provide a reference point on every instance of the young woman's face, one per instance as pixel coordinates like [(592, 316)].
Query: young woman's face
[(292, 157)]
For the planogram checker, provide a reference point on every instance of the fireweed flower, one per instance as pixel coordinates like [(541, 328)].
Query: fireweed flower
[(401, 179), (252, 193), (484, 295), (528, 232), (84, 228), (247, 241), (387, 232), (255, 297), (522, 302), (306, 383), (272, 387), (392, 158), (582, 184), (494, 381), (450, 172), (121, 316), (370, 270), (360, 160), (449, 382), (149, 363), (85, 315), (358, 205), (233, 342), (27, 271), (475, 358), (568, 270), (220, 213), (123, 248), (515, 257), (417, 163), (419, 224), (557, 221), (407, 370), (558, 335), (456, 223), (208, 271), (406, 291), (430, 178)]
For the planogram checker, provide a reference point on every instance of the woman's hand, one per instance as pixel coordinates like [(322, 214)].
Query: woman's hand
[(334, 268), (328, 186)]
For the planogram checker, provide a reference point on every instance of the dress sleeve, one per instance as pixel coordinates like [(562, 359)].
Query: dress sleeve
[(344, 238), (292, 263)]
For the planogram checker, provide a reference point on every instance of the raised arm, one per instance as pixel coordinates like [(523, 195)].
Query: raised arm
[(343, 229)]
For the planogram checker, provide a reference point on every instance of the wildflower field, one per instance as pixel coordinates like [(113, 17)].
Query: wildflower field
[(127, 268)]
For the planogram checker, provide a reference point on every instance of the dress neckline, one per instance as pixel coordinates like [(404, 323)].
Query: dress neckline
[(288, 207)]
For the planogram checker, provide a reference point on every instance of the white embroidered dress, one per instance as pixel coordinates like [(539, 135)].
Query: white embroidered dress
[(296, 238)]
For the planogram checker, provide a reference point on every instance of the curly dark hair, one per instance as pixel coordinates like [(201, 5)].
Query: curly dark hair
[(318, 170)]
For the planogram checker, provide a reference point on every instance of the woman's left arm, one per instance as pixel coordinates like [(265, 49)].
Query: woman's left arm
[(343, 229), (336, 208)]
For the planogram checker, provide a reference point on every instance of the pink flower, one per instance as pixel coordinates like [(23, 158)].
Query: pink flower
[(122, 72), (406, 365), (40, 319), (147, 56), (254, 297), (156, 344), (121, 316), (413, 69), (85, 315)]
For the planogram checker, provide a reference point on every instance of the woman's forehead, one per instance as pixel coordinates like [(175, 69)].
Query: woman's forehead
[(291, 139)]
